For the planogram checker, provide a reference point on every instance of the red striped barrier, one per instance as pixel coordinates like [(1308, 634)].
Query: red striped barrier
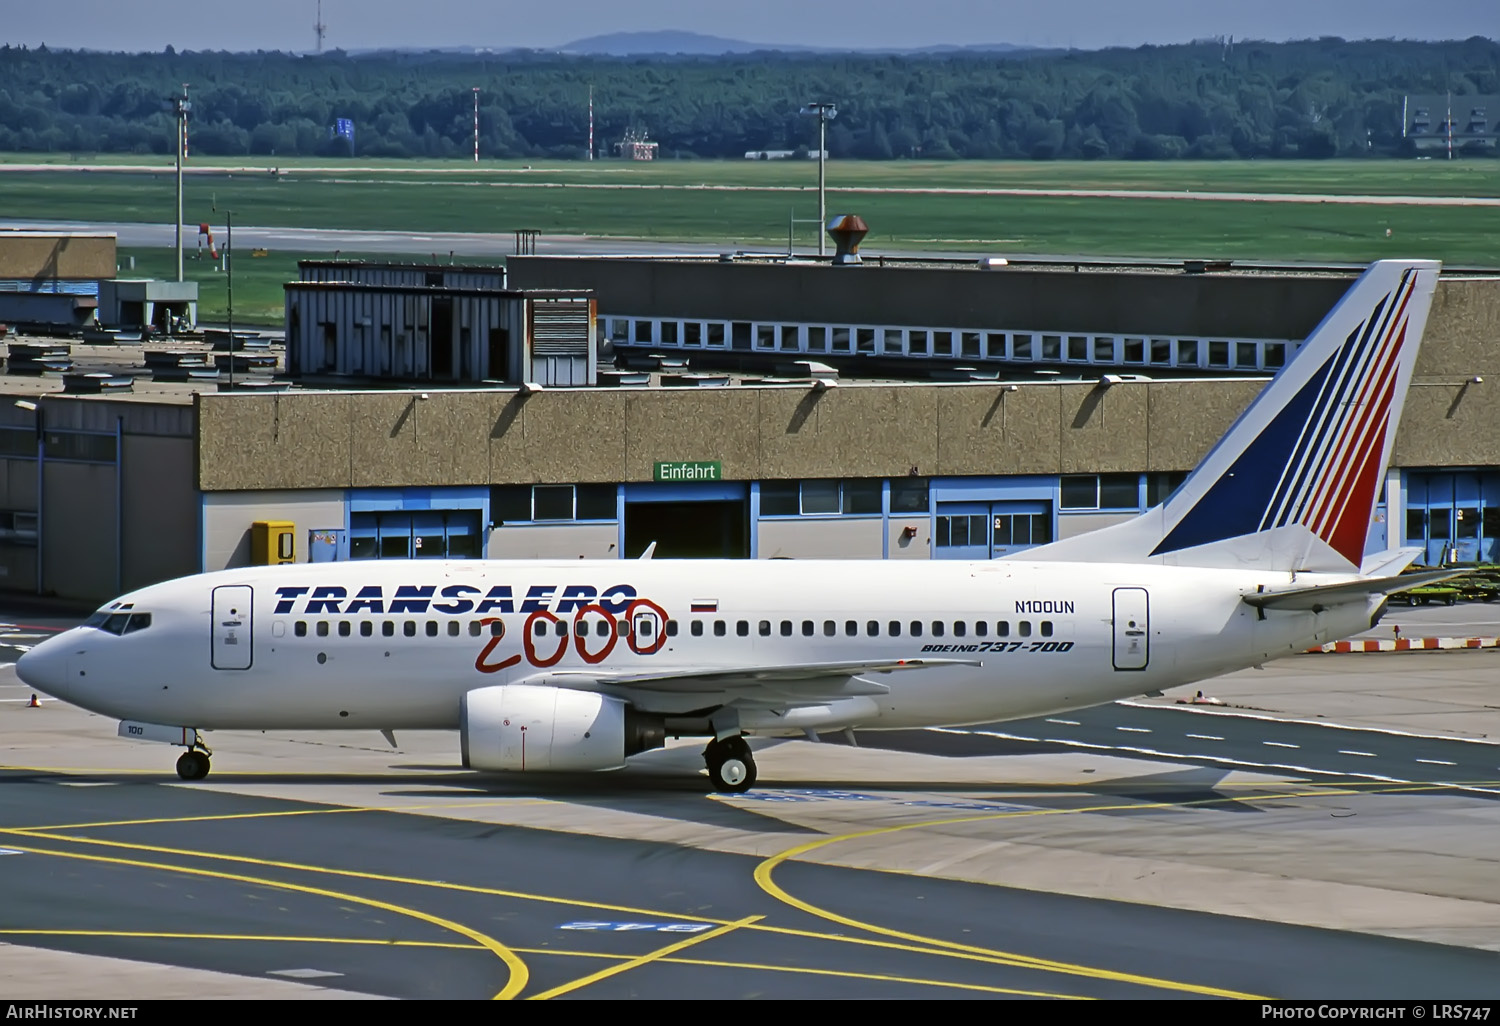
[(1406, 644)]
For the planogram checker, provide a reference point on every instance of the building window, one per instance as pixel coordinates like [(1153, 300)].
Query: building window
[(78, 446), (552, 502), (1160, 487), (820, 497), (1100, 491), (909, 495), (532, 503)]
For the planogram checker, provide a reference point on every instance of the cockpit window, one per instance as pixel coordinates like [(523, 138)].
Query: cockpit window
[(122, 621)]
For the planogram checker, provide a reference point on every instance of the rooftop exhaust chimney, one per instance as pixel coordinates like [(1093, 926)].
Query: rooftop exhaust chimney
[(847, 230)]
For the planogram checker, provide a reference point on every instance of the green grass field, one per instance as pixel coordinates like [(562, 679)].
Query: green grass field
[(1472, 177), (747, 203)]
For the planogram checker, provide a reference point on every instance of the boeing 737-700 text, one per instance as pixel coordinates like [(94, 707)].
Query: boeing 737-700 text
[(580, 665)]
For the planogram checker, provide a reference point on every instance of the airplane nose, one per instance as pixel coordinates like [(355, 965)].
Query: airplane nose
[(45, 666)]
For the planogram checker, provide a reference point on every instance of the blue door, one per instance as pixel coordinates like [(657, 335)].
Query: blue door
[(985, 530)]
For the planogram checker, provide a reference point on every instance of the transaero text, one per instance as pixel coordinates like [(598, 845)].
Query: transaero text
[(454, 599)]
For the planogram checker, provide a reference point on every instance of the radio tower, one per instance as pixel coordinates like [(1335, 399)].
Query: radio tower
[(591, 122), (476, 124), (319, 27)]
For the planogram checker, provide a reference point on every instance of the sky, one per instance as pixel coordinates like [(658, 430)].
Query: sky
[(141, 25)]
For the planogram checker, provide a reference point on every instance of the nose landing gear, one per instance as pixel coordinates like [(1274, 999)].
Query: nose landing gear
[(193, 763), (731, 767)]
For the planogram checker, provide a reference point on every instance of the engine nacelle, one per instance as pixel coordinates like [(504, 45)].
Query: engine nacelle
[(526, 727)]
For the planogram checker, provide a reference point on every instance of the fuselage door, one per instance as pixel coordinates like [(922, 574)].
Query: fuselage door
[(1132, 629), (232, 644)]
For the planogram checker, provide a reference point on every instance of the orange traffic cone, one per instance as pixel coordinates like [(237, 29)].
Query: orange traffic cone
[(33, 704)]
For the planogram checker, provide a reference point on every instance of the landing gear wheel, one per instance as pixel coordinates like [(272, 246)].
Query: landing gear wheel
[(192, 765), (731, 767)]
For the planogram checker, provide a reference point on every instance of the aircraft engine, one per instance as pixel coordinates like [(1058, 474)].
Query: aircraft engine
[(526, 727)]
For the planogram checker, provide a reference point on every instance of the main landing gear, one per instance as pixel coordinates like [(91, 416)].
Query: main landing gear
[(193, 763), (731, 767)]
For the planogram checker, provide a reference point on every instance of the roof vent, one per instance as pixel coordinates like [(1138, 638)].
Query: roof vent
[(847, 230)]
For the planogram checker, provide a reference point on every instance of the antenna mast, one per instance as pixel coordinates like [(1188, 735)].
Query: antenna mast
[(319, 27), (591, 122)]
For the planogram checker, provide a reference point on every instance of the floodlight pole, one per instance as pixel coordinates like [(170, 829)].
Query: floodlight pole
[(824, 112), (229, 281), (180, 108), (822, 206)]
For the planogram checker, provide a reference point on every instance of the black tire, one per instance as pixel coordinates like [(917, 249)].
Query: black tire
[(732, 772), (192, 765)]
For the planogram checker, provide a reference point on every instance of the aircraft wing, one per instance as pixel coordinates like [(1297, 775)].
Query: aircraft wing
[(1322, 596), (791, 676)]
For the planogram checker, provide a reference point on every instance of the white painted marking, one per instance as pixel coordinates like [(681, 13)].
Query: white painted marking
[(1227, 761), (1065, 723), (84, 783), (302, 974), (1438, 762), (1205, 737), (1135, 730), (1209, 711), (10, 851), (1279, 744), (1367, 755)]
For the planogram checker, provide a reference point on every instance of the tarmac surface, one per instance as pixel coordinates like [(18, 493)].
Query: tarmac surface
[(1064, 859)]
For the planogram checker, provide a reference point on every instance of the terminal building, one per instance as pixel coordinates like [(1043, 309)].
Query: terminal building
[(766, 409)]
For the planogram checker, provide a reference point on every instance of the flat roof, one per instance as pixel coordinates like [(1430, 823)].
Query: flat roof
[(41, 233), (428, 290), (396, 265), (999, 263)]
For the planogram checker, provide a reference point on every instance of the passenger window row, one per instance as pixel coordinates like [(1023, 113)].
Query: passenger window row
[(409, 628), (597, 628)]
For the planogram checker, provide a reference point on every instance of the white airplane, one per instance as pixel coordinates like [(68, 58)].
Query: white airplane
[(579, 665)]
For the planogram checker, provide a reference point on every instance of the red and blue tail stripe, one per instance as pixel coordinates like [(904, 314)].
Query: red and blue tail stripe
[(1328, 441)]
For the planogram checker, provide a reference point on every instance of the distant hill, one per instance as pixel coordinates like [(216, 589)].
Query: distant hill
[(634, 44)]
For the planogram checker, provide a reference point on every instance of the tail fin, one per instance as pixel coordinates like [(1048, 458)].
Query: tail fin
[(1293, 484)]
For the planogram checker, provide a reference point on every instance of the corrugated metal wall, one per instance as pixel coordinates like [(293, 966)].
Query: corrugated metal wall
[(369, 333), (391, 274)]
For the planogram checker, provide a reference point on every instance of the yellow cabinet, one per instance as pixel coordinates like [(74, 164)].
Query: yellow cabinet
[(272, 542)]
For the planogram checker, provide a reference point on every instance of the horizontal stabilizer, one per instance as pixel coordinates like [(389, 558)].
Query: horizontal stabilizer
[(1322, 596), (1391, 561)]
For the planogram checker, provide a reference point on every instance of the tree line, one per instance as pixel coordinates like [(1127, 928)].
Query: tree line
[(1216, 99)]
